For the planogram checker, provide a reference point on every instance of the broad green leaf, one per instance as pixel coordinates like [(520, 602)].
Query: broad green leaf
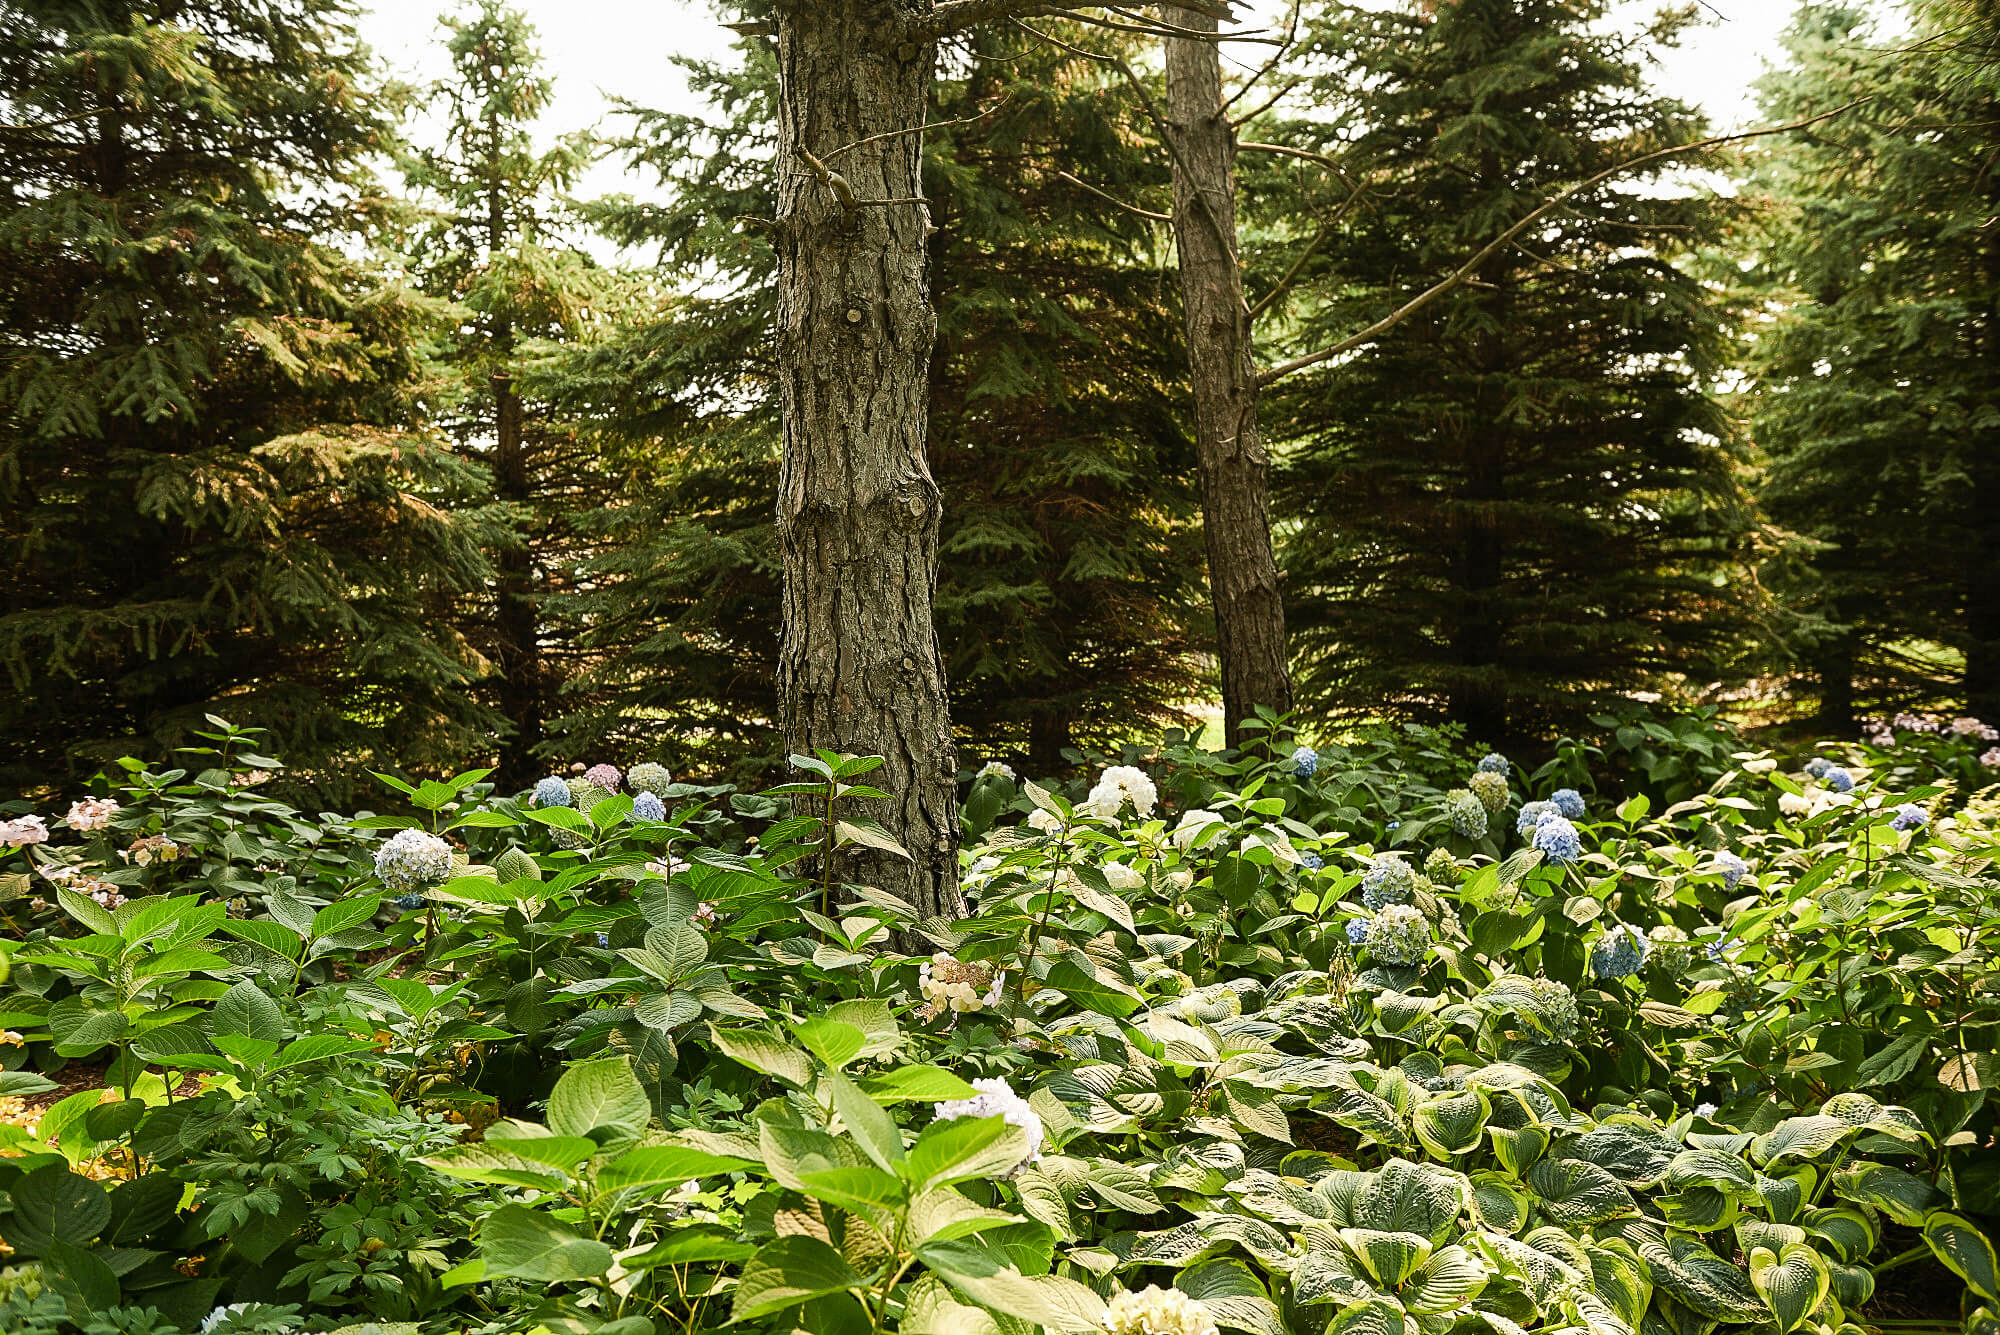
[(527, 1244), (664, 1165), (788, 1271), (1958, 1242), (1793, 1283), (245, 1009), (601, 1099)]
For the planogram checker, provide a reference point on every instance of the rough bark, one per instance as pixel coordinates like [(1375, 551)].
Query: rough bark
[(859, 668), (1234, 469), (1982, 592)]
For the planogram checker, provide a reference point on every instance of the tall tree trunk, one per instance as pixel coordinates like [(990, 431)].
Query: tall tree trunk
[(1235, 481), (859, 668)]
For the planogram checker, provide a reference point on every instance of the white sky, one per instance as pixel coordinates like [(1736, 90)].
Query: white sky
[(595, 49)]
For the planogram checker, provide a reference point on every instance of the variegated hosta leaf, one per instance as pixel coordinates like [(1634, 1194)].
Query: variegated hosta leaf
[(1390, 1257), (1793, 1283), (1782, 1196), (1799, 1138), (1208, 1235), (1619, 1278), (1499, 1203), (1450, 1127), (1595, 1314), (1850, 1232), (1330, 1277), (1709, 1168), (1271, 1197), (1864, 1114), (1695, 1276), (1699, 1209), (1541, 1275), (1634, 1153), (1401, 1197), (1376, 1316), (1853, 1285), (1235, 1298), (1572, 1192), (1363, 1112), (1902, 1196), (1752, 1233), (1446, 1283), (1518, 1151), (1960, 1245)]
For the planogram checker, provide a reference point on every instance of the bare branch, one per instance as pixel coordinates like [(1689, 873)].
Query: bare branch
[(1112, 199), (1262, 107), (917, 129), (954, 16), (1291, 37), (829, 178), (1460, 275), (1286, 150)]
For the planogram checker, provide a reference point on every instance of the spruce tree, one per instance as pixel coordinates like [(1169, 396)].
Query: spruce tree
[(1877, 385), (1520, 502), (491, 240), (1069, 576), (209, 497)]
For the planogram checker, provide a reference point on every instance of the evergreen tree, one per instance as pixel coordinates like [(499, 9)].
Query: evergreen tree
[(1521, 501), (1070, 568), (209, 501), (492, 243), (1878, 384)]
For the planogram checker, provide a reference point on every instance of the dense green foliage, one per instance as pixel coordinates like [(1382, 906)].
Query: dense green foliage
[(1520, 503), (1320, 1040), (1879, 377), (215, 474)]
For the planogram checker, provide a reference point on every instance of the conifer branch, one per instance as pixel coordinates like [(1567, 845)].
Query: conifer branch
[(1113, 199), (1459, 276)]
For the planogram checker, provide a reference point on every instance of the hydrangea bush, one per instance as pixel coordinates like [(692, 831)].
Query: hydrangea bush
[(1669, 1034)]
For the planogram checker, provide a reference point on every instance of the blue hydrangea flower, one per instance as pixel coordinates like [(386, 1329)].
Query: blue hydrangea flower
[(1818, 766), (1838, 779), (1494, 763), (1557, 839), (1311, 861), (412, 859), (552, 792), (1721, 952), (1357, 930), (604, 940), (1704, 1110), (1620, 953), (1568, 803), (646, 806), (1734, 868), (407, 902), (1910, 816), (1466, 813), (1531, 816), (1399, 936), (1305, 762), (1389, 881)]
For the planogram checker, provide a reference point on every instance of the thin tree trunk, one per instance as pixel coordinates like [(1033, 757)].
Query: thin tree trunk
[(1234, 469), (1833, 665), (859, 668), (1982, 591)]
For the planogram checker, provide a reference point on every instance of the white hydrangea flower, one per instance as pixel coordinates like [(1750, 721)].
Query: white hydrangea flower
[(1123, 876), (1118, 785), (412, 859), (1157, 1311), (1041, 818), (959, 986), (1761, 765), (998, 769), (220, 1315), (996, 1098), (1794, 804), (1192, 824), (24, 830), (92, 813)]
